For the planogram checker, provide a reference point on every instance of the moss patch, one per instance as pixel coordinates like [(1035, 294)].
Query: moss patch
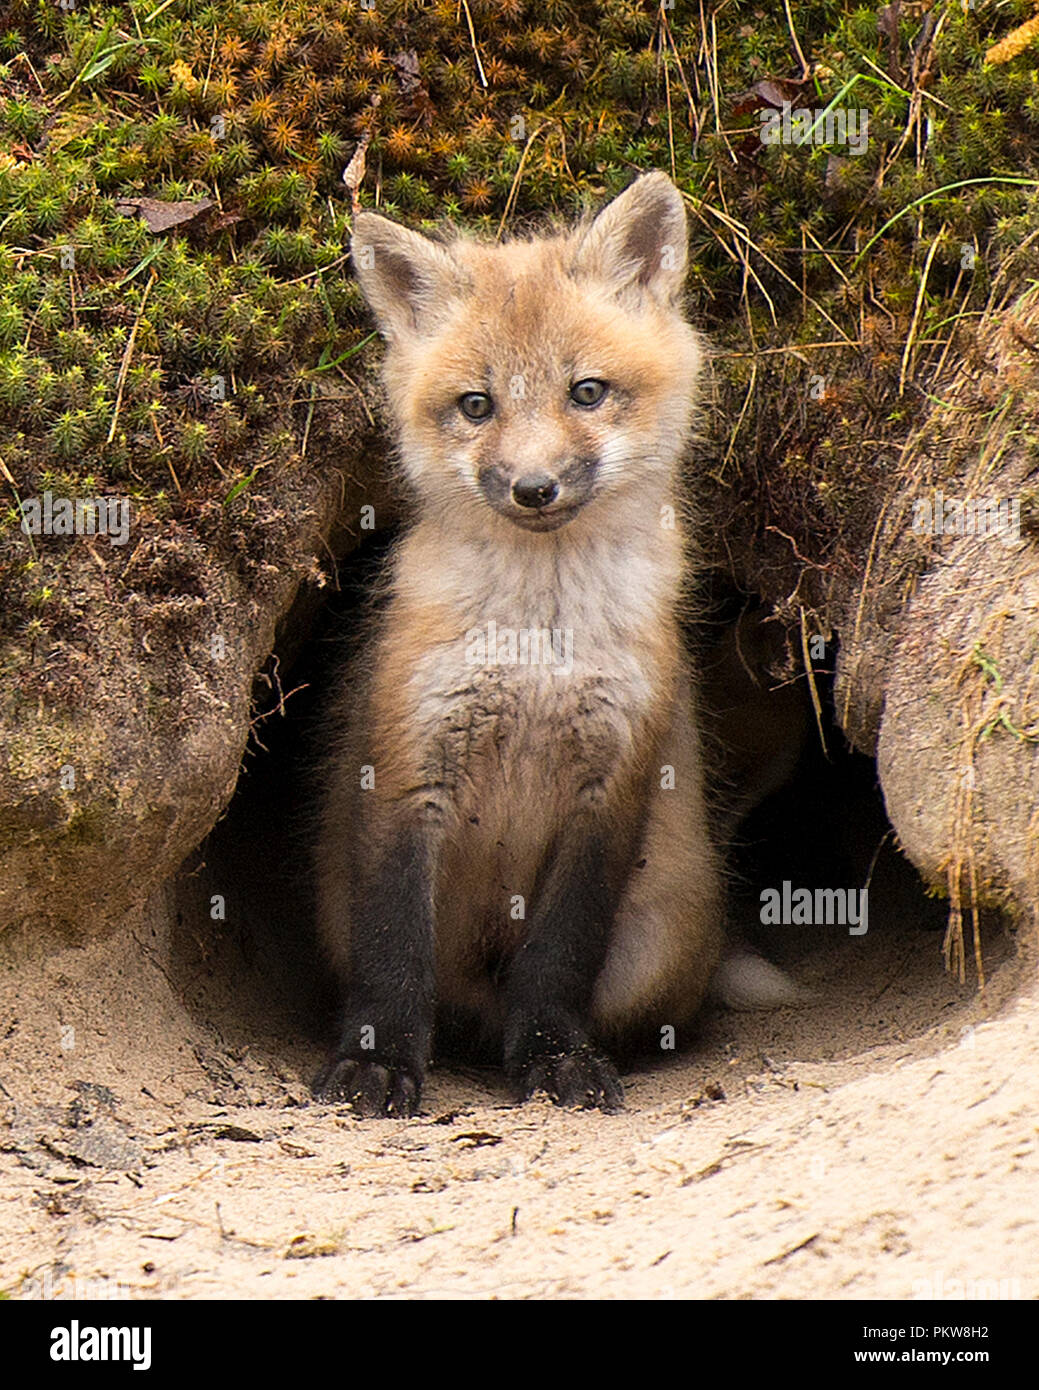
[(190, 369)]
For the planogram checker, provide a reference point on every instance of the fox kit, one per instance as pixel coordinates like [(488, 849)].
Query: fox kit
[(514, 846)]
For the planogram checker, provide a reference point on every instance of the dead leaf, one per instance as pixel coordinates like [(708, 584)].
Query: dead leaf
[(406, 65), (353, 174), (770, 91), (162, 216)]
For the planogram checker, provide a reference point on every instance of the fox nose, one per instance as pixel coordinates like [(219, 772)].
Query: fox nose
[(535, 490)]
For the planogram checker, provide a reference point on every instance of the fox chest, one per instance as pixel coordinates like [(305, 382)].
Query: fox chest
[(523, 723), (518, 752)]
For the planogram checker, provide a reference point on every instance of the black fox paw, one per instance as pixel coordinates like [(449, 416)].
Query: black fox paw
[(584, 1080), (371, 1088)]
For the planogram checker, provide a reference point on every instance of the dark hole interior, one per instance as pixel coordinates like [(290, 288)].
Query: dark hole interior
[(257, 976)]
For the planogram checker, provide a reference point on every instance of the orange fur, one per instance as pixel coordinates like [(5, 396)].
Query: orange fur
[(501, 757)]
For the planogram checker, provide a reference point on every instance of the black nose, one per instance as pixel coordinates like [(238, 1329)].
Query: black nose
[(535, 490)]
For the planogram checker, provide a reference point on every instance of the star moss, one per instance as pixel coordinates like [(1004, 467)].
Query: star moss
[(168, 364)]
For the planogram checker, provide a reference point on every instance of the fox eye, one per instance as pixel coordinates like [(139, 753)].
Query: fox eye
[(476, 405), (588, 392)]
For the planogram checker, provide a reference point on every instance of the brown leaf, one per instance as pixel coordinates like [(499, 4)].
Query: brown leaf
[(406, 65), (770, 91), (353, 174), (420, 103), (162, 216)]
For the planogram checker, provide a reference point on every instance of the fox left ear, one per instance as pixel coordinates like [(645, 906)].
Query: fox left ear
[(406, 278), (639, 241)]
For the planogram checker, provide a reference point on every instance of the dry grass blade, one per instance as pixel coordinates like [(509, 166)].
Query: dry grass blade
[(124, 366)]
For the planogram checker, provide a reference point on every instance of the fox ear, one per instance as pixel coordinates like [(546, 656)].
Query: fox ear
[(406, 278), (638, 242)]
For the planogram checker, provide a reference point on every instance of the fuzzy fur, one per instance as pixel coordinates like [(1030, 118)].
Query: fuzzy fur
[(486, 777)]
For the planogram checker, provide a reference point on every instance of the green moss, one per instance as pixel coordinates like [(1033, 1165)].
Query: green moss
[(257, 106)]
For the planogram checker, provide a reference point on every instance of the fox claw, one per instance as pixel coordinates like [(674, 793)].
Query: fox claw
[(583, 1080), (370, 1088)]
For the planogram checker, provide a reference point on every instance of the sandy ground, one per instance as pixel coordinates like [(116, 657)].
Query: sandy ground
[(879, 1142)]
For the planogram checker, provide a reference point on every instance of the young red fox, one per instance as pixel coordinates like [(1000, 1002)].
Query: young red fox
[(514, 841)]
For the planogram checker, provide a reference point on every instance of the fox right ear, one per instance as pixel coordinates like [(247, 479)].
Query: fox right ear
[(405, 277), (638, 242)]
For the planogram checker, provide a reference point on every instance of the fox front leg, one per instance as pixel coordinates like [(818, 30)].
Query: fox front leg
[(387, 1018), (550, 980)]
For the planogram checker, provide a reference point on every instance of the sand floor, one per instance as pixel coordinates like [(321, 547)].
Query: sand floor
[(880, 1142)]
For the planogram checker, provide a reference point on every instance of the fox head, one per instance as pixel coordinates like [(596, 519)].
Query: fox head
[(538, 378)]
